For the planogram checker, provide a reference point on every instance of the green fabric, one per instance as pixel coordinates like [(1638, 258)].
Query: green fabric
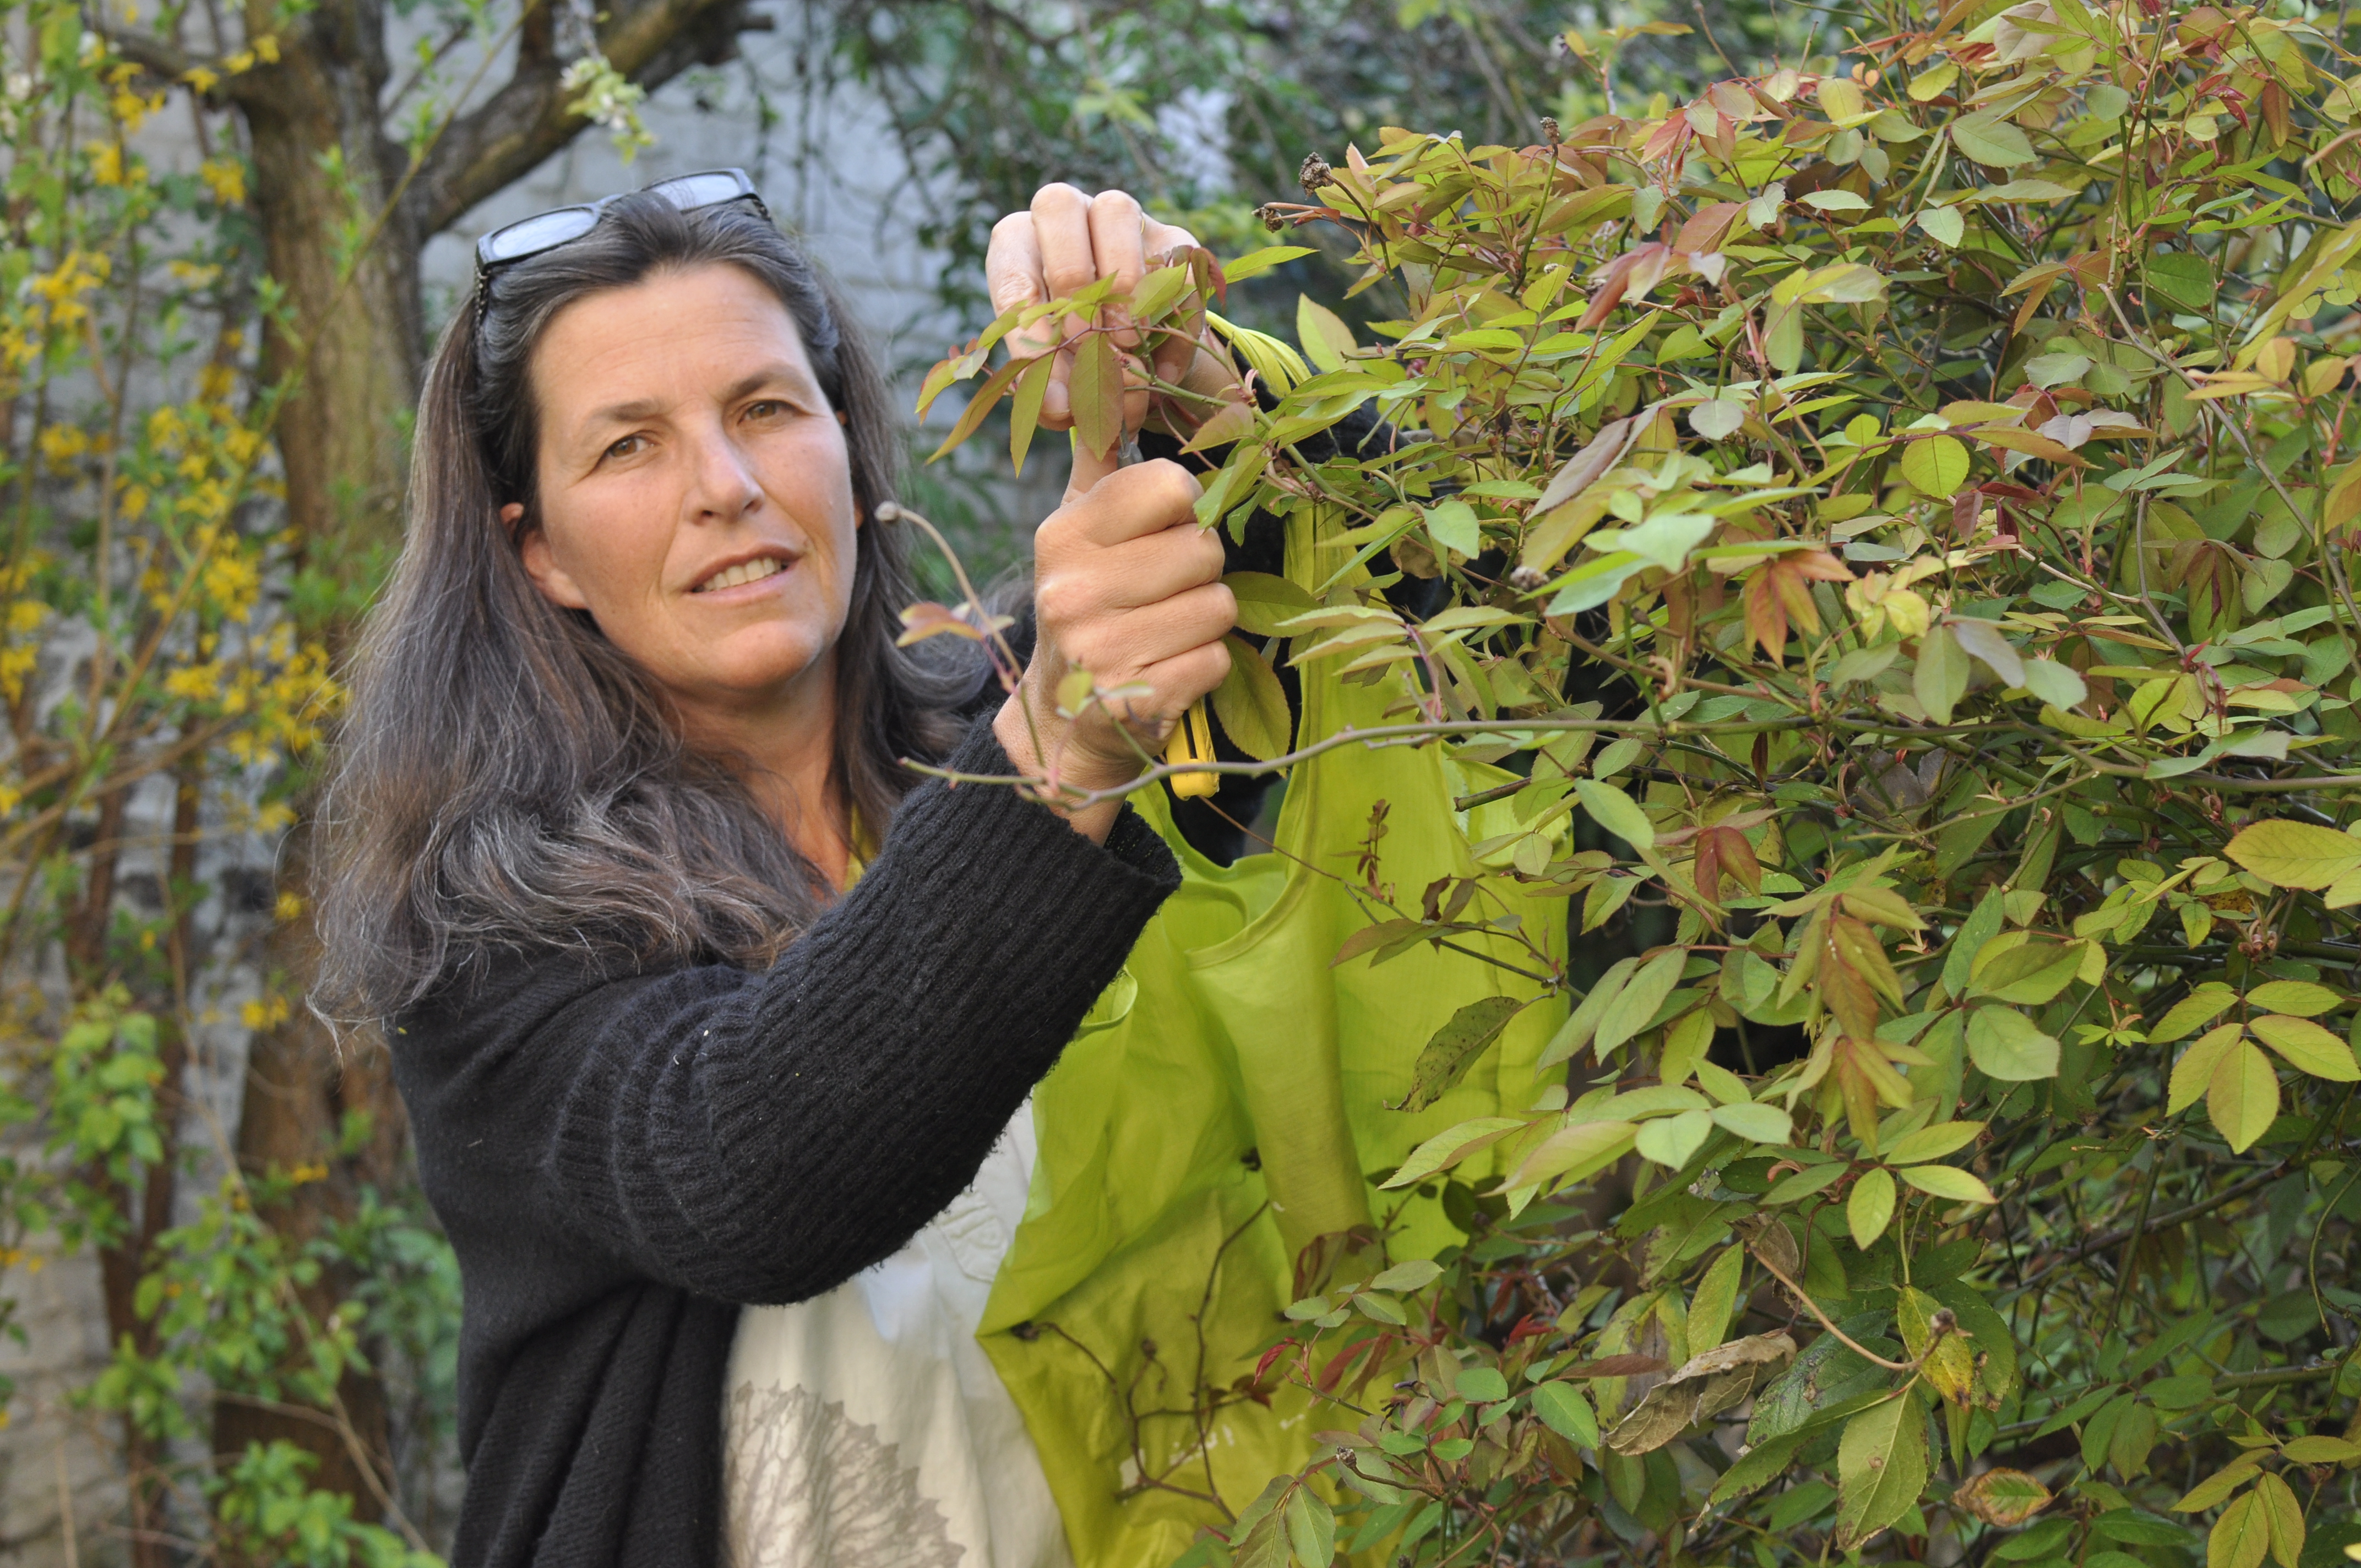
[(1220, 1110)]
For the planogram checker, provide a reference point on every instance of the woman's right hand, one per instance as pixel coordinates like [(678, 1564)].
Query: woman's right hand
[(1127, 584)]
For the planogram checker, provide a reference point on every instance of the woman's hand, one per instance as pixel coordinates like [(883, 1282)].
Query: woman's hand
[(1064, 243), (1127, 586)]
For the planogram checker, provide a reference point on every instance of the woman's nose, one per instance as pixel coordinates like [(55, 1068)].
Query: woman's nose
[(722, 487)]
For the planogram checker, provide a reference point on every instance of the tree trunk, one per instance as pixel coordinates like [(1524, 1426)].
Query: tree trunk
[(349, 350)]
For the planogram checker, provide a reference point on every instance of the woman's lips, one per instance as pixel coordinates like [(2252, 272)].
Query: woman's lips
[(760, 569)]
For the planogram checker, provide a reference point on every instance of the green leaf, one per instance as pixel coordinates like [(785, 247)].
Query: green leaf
[(1452, 1048), (1096, 387), (2220, 1484), (2184, 279), (1983, 639), (2029, 974), (2006, 1045), (1621, 815), (2193, 1011), (1265, 599), (1948, 1181), (1481, 1384), (1881, 1468), (2295, 854), (1566, 1412), (1990, 141), (2242, 1099), (1936, 466), (2284, 1518), (1261, 1531), (1670, 1140), (1939, 678), (1310, 1529), (1453, 1146), (1944, 226), (1327, 339), (1252, 704), (2299, 997), (1933, 1143), (1871, 1208), (1455, 527), (1635, 1006), (2321, 1449), (1762, 1463), (2055, 684), (1415, 1275), (1583, 1022), (2308, 1047), (2241, 1536), (1983, 924), (1263, 260), (1715, 1299), (2194, 1070), (1025, 408), (1755, 1122)]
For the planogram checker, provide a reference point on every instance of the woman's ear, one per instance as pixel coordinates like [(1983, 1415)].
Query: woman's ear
[(541, 562)]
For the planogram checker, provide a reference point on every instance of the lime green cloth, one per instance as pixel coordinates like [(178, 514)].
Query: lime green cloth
[(1222, 1108)]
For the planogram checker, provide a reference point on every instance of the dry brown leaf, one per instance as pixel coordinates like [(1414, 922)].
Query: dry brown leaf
[(2001, 1496), (1705, 1386)]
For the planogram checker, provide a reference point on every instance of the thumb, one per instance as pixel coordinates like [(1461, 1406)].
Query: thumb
[(1091, 466)]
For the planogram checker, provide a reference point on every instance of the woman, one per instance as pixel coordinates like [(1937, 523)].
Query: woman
[(627, 725)]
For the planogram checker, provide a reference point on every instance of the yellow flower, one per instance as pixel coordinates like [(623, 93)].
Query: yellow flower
[(290, 906), (106, 158), (201, 79), (134, 501), (264, 1013), (26, 615), (226, 178), (63, 443), (197, 683), (267, 46)]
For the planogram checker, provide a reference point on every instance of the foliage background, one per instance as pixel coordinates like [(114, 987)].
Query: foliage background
[(188, 542)]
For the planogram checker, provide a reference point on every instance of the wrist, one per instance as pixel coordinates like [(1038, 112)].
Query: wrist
[(1025, 741)]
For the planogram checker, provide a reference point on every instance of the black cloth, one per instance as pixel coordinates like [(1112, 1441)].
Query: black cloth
[(622, 1160)]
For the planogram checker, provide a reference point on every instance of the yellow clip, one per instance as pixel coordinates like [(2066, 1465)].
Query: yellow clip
[(1191, 742)]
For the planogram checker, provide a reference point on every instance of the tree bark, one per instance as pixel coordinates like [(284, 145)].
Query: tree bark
[(350, 342)]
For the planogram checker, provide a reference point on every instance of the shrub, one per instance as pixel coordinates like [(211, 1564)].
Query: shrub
[(1899, 508)]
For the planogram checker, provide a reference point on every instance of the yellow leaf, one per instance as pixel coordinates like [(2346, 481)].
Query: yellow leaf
[(2242, 1099), (2194, 1070), (2240, 1537)]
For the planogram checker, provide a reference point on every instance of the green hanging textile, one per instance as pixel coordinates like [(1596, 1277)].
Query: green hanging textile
[(1221, 1110)]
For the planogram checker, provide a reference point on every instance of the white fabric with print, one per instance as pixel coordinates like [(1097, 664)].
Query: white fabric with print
[(867, 1428)]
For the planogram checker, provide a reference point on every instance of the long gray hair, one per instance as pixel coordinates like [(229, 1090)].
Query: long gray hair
[(508, 782)]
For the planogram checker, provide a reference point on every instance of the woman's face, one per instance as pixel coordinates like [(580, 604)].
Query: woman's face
[(694, 492)]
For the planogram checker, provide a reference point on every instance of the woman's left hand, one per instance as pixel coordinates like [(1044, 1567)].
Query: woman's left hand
[(1062, 243)]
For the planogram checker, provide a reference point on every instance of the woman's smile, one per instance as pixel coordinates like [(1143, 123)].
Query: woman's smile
[(749, 571)]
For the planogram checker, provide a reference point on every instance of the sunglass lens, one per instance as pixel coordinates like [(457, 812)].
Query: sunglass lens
[(693, 191), (537, 234)]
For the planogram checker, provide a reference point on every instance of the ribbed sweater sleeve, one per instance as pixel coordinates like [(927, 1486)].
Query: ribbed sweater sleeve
[(761, 1138)]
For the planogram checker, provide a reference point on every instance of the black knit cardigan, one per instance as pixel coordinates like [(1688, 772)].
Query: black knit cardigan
[(623, 1160)]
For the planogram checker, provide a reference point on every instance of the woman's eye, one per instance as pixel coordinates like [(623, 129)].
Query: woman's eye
[(626, 448), (769, 408)]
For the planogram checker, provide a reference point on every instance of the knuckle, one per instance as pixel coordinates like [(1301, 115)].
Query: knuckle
[(1056, 602), (1176, 487), (1114, 204)]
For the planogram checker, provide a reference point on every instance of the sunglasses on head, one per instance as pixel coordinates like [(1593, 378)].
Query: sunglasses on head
[(544, 232)]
